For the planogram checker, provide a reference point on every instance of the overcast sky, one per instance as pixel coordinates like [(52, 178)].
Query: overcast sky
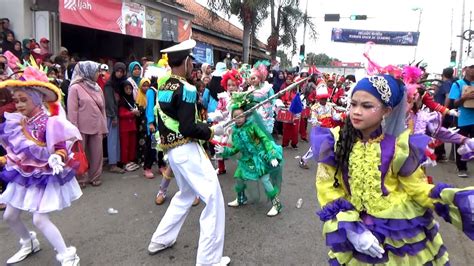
[(437, 33)]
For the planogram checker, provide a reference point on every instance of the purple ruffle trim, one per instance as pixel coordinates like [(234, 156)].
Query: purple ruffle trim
[(387, 147), (443, 211), (398, 229), (39, 181), (418, 144), (436, 191), (322, 144), (330, 211), (468, 156), (464, 200)]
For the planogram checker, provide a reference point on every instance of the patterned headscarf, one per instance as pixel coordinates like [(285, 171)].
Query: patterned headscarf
[(85, 71)]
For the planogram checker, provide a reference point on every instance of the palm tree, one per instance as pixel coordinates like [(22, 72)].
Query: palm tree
[(286, 17), (251, 14)]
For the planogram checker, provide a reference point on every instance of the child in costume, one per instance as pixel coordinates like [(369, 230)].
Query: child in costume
[(231, 81), (261, 91), (261, 158), (38, 165), (376, 206), (323, 114)]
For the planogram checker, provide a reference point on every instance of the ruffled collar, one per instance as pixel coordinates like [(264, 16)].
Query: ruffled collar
[(375, 136)]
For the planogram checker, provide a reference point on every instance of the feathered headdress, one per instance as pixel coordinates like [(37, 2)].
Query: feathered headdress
[(34, 77), (260, 69), (232, 75)]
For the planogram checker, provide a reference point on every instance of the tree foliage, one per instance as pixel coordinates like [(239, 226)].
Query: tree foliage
[(285, 62), (321, 59), (286, 18)]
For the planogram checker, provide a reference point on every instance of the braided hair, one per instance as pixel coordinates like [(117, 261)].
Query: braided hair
[(347, 138)]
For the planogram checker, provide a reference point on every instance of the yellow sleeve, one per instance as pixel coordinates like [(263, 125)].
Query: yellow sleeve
[(325, 185), (417, 187)]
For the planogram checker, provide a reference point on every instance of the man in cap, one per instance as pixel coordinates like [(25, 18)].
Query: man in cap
[(180, 131)]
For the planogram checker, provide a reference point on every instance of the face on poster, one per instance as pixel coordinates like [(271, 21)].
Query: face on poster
[(133, 16)]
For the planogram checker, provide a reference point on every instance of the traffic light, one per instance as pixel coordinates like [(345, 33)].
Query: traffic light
[(453, 56), (358, 17), (332, 17), (302, 52)]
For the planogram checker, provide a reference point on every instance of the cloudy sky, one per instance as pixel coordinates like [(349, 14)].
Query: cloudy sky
[(440, 23)]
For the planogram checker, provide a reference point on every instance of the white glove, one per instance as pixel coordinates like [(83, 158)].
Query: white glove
[(453, 112), (314, 122), (215, 116), (56, 163), (274, 162), (366, 243), (453, 130), (218, 130), (219, 149)]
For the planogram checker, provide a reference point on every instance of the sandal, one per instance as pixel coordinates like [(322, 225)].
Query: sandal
[(83, 185), (96, 183)]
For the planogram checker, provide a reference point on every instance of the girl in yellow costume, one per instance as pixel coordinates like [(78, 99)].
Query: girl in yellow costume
[(376, 205)]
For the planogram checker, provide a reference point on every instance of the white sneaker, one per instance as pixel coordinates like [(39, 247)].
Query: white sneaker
[(235, 203), (28, 247), (224, 261), (273, 211), (69, 258), (154, 248)]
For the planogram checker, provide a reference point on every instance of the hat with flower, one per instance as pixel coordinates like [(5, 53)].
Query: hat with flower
[(34, 77)]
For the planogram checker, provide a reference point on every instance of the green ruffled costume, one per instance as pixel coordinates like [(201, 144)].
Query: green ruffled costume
[(257, 149)]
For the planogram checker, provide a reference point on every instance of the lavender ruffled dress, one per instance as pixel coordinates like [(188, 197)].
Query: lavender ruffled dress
[(29, 143)]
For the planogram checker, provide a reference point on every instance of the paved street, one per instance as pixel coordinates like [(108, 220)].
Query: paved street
[(292, 238)]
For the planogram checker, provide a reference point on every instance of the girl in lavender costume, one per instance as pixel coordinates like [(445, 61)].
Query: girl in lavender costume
[(38, 165)]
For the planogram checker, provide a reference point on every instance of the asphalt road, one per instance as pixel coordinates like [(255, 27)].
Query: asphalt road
[(291, 238)]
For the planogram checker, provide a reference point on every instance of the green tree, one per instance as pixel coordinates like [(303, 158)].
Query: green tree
[(251, 14), (285, 62), (286, 17), (319, 59)]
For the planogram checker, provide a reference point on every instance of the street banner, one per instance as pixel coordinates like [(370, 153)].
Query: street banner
[(95, 14), (203, 53), (405, 38), (152, 24), (133, 17)]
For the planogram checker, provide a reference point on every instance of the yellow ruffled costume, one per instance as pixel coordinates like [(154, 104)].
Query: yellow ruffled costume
[(373, 194)]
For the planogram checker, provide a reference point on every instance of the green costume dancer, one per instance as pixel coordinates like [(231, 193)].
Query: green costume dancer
[(260, 157)]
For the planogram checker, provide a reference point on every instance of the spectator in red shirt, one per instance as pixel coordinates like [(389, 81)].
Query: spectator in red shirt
[(128, 113)]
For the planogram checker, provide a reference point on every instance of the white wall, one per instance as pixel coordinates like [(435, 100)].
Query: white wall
[(20, 15)]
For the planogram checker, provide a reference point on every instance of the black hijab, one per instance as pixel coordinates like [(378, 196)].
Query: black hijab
[(126, 100), (215, 87), (114, 82)]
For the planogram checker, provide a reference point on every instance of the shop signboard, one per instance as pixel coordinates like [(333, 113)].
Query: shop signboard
[(127, 18)]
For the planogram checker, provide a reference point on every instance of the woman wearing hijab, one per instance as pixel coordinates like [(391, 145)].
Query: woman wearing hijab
[(111, 94), (135, 71), (86, 110)]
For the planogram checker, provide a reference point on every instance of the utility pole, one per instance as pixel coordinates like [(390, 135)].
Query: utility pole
[(461, 45), (302, 56), (420, 10)]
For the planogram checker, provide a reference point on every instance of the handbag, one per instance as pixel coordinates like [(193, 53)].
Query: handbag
[(80, 158)]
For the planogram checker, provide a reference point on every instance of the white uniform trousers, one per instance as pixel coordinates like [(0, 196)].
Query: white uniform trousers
[(195, 176)]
